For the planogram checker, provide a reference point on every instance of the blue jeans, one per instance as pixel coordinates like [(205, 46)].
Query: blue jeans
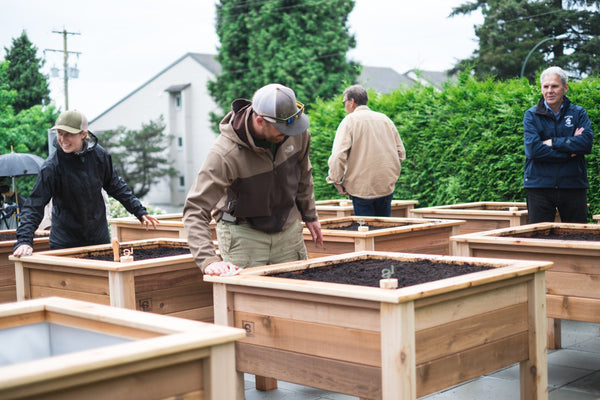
[(543, 203), (378, 207)]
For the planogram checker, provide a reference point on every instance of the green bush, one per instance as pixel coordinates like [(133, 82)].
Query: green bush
[(463, 143)]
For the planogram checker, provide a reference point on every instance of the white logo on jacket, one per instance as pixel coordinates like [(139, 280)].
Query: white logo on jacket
[(569, 121), (289, 149)]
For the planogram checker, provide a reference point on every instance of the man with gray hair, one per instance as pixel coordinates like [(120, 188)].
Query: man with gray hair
[(366, 156), (557, 135)]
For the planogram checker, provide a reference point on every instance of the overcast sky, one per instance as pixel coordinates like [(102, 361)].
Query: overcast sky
[(124, 43)]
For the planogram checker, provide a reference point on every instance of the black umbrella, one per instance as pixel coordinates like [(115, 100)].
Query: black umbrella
[(19, 164)]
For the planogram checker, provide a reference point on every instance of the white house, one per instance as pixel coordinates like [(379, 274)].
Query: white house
[(179, 93)]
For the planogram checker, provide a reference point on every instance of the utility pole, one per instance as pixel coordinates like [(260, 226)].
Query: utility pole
[(66, 61)]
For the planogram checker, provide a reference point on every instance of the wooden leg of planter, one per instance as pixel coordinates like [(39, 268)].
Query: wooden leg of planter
[(223, 306), (121, 286), (219, 385), (554, 334), (398, 360), (534, 371), (364, 244), (263, 383), (23, 286)]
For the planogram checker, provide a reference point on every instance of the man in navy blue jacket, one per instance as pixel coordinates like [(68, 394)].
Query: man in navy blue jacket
[(557, 136)]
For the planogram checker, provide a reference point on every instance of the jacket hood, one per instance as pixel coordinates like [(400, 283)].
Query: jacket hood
[(92, 142)]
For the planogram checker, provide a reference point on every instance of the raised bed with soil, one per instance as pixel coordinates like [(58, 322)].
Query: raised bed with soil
[(479, 216), (389, 344), (411, 235), (166, 283), (170, 226), (8, 238), (572, 283), (343, 208), (59, 349)]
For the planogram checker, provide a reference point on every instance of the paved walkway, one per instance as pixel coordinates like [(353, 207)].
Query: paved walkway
[(573, 374)]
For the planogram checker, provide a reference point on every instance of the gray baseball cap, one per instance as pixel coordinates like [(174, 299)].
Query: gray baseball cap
[(278, 105)]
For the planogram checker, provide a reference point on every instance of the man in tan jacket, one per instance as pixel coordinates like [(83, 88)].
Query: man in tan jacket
[(366, 156)]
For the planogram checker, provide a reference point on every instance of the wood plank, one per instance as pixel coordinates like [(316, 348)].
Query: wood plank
[(460, 335), (534, 370), (328, 341), (146, 384), (122, 289), (172, 300), (575, 285), (73, 281), (480, 302), (573, 308), (398, 358), (37, 292), (461, 367), (349, 316), (336, 376)]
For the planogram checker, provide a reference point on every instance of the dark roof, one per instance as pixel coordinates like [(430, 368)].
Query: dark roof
[(383, 79)]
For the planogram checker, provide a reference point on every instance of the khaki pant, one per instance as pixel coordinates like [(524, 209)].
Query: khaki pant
[(247, 247)]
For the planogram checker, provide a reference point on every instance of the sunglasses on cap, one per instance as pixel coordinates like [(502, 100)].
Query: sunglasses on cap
[(289, 120)]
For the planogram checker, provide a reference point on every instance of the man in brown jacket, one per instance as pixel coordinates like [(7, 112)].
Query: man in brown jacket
[(256, 182)]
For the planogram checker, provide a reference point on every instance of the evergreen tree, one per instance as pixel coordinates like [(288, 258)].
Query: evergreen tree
[(139, 156), (24, 74), (298, 43), (513, 28)]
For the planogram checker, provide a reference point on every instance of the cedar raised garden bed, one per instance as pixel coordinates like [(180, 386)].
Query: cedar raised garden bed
[(56, 348), (8, 239), (572, 283), (170, 226), (479, 216), (170, 285), (411, 235), (343, 208), (389, 344)]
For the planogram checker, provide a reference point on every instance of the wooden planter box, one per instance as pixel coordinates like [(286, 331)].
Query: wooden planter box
[(163, 285), (343, 208), (62, 349), (170, 226), (479, 216), (8, 291), (572, 284), (389, 343), (412, 235)]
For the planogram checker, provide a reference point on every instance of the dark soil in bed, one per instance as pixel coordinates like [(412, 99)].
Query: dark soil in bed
[(354, 227), (588, 236), (143, 254), (369, 272), (5, 236)]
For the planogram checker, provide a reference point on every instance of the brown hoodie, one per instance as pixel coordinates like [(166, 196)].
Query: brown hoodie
[(269, 191)]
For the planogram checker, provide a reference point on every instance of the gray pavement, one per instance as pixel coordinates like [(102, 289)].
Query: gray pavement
[(573, 374)]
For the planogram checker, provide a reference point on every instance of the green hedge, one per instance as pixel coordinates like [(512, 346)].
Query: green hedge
[(463, 144)]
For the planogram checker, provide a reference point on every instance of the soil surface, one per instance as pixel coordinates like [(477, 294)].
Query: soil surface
[(144, 254), (369, 272), (5, 236), (354, 227), (588, 236)]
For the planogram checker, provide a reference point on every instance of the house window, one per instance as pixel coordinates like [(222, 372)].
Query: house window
[(178, 100), (179, 141), (182, 181)]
